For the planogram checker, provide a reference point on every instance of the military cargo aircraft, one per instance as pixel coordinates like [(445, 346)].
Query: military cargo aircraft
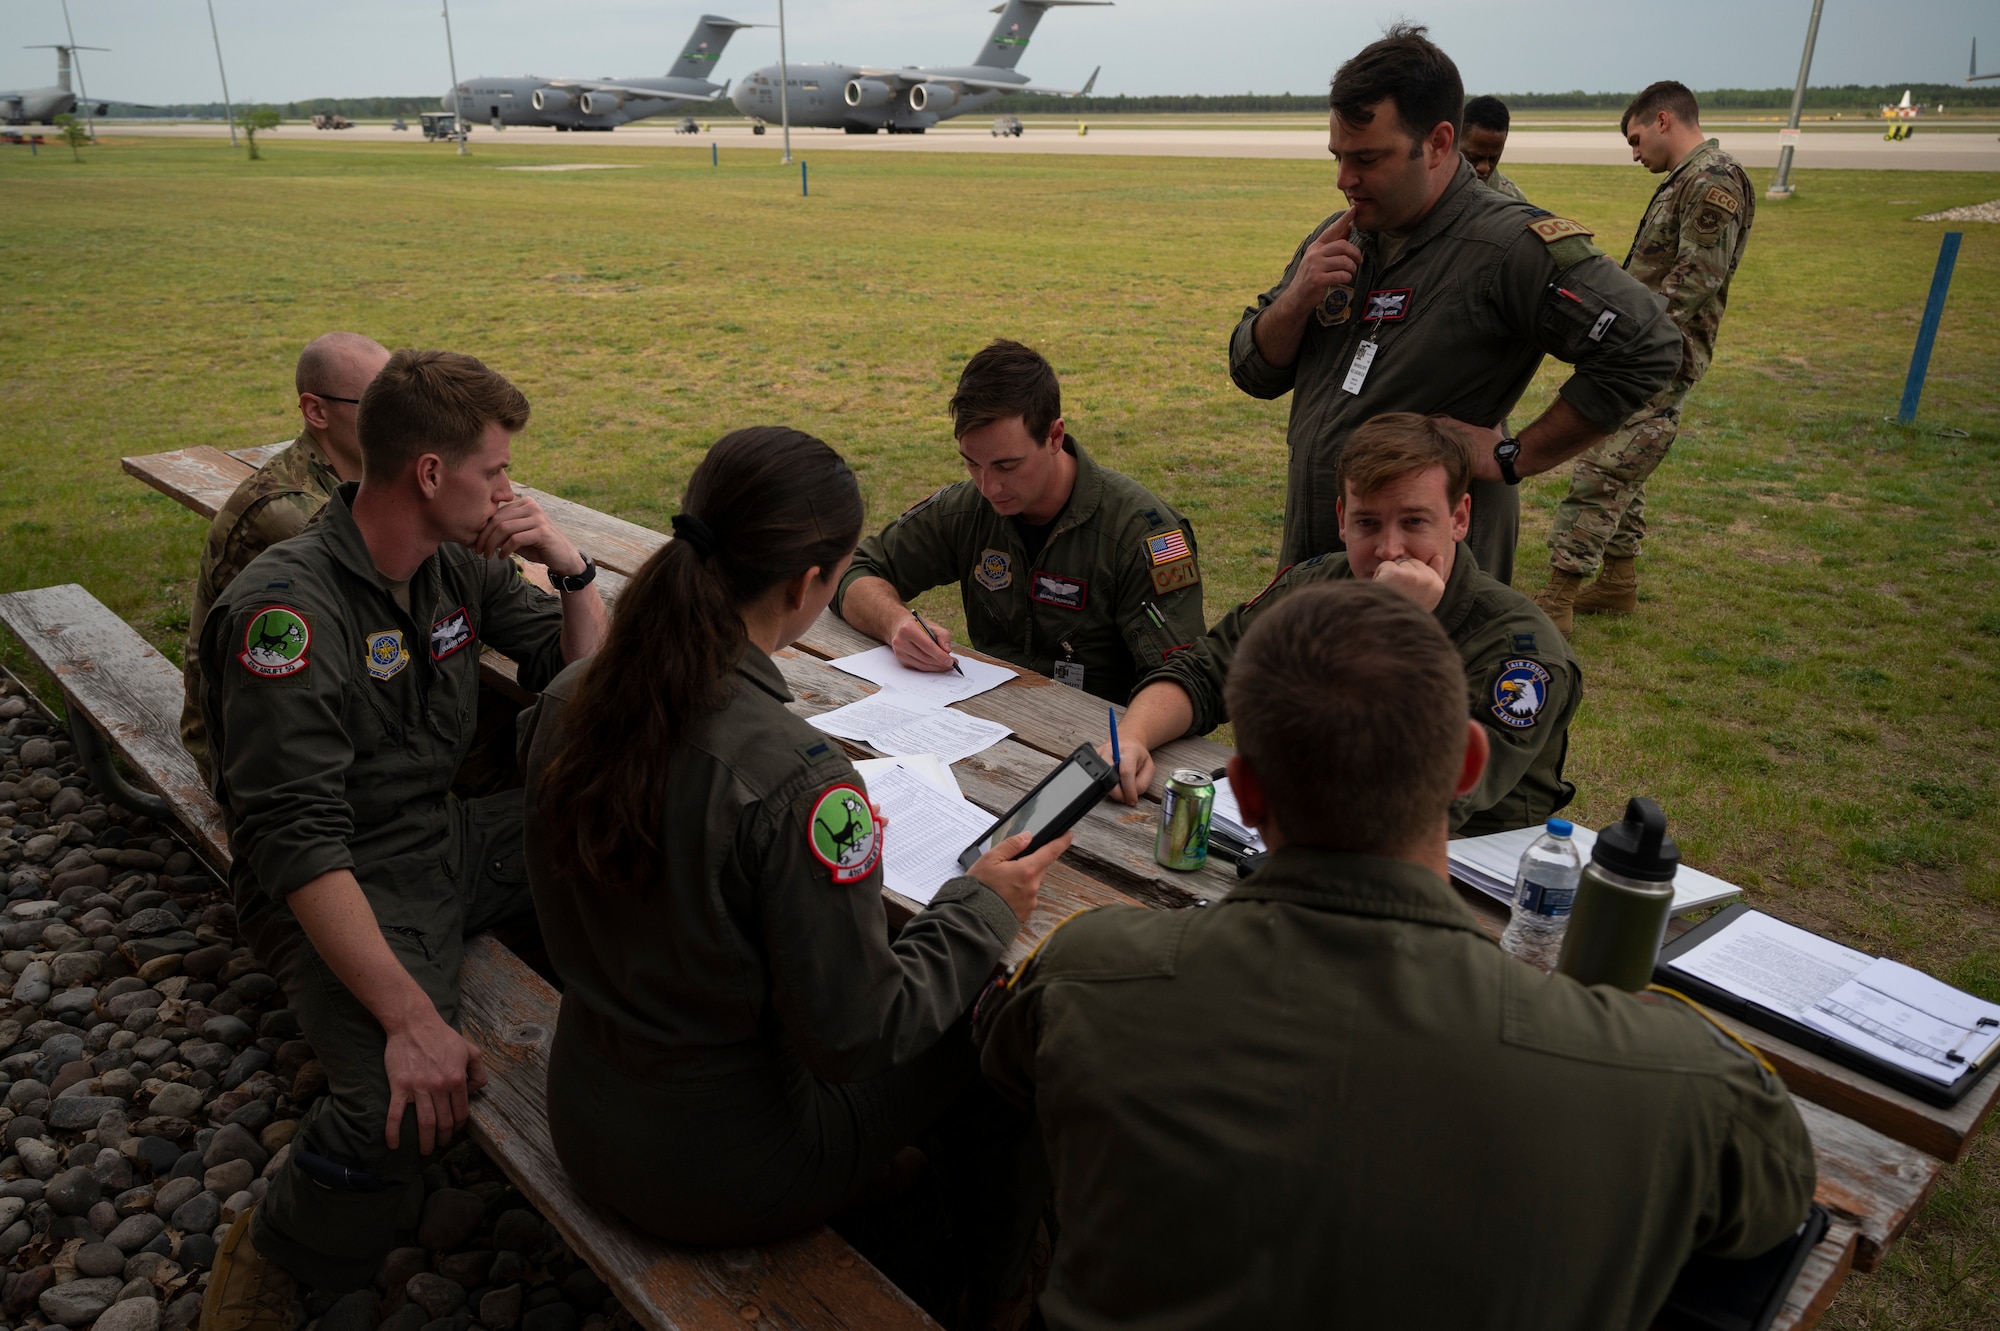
[(862, 99), (580, 104), (43, 105)]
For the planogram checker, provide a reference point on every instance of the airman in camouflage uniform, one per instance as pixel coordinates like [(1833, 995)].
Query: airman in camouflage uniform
[(277, 501), (1484, 139), (1687, 248)]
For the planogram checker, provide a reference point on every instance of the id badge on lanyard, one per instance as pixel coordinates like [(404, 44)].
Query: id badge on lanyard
[(1364, 356)]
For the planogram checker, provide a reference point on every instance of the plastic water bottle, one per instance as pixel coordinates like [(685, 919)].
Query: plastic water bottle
[(1544, 890)]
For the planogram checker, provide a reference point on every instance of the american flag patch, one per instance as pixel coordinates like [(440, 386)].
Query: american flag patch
[(1166, 549)]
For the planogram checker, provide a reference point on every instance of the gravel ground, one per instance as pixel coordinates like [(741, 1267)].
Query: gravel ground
[(151, 1080), (1972, 212)]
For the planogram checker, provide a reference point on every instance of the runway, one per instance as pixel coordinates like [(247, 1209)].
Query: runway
[(1861, 148)]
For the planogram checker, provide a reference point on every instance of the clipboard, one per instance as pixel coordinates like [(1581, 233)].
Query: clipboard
[(1943, 1094), (1717, 1294)]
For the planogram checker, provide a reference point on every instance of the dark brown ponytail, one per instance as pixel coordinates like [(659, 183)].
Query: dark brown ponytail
[(765, 505)]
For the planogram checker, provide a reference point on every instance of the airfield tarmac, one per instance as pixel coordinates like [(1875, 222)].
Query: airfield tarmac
[(1860, 148)]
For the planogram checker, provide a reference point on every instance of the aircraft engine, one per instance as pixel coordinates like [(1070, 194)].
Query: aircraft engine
[(933, 97), (868, 93), (599, 103), (551, 99)]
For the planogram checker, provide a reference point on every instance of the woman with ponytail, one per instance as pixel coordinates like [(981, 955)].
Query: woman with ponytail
[(743, 1046)]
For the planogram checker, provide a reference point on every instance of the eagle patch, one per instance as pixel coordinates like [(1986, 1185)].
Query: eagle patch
[(843, 835), (1520, 693)]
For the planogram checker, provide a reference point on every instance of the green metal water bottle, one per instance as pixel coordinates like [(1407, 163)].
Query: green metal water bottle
[(1623, 901)]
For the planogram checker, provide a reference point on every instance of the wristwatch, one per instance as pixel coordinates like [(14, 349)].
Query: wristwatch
[(574, 582), (1504, 454)]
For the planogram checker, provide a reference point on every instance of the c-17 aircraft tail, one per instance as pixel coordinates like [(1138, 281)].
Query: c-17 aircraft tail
[(704, 48), (1017, 22)]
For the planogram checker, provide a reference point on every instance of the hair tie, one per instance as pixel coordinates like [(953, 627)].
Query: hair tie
[(695, 532)]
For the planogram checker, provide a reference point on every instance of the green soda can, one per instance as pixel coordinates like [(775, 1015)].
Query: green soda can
[(1185, 810)]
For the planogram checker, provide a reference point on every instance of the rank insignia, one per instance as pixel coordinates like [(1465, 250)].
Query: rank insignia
[(386, 656), (843, 834), (1389, 305), (1525, 642), (1055, 589), (275, 642), (1519, 692), (1336, 308), (450, 633), (994, 571)]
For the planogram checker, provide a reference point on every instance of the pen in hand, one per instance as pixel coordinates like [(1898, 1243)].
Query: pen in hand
[(940, 646)]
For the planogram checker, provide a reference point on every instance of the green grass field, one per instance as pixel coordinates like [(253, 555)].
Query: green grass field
[(1810, 688)]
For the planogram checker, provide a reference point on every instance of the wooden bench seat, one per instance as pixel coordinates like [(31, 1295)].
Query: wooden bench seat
[(112, 679)]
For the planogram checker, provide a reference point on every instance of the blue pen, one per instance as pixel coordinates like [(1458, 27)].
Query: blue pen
[(1112, 712)]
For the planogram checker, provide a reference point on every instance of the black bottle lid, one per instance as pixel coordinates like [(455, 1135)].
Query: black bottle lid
[(1639, 847)]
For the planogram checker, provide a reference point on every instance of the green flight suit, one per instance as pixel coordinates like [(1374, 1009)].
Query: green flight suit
[(1462, 317), (338, 720), (1330, 1100), (1521, 683), (1115, 590), (274, 503), (743, 1045)]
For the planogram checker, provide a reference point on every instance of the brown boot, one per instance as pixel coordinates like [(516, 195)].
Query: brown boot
[(246, 1290), (1616, 591), (1558, 599)]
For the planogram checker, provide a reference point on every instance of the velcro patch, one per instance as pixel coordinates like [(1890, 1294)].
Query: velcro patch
[(1166, 549), (1708, 224), (1174, 576), (994, 571), (1553, 229), (1058, 590), (843, 835), (275, 642), (1388, 305), (451, 633), (1722, 199), (387, 656), (1519, 693)]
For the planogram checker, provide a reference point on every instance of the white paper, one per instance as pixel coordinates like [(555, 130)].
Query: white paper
[(921, 688), (1773, 964), (870, 716), (1228, 813), (927, 829), (1491, 863), (949, 735), (1908, 1019), (923, 765)]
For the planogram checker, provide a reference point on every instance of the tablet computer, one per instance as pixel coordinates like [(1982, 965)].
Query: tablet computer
[(1052, 807)]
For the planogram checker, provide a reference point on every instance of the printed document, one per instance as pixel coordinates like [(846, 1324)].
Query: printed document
[(927, 829), (1906, 1018), (1229, 816), (948, 734), (870, 716), (880, 667), (1773, 964), (1491, 863)]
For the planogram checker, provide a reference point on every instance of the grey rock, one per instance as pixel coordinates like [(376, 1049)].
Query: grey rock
[(556, 1316), (152, 922), (519, 1231), (353, 1311), (32, 990), (100, 1259), (78, 1113), (203, 1056), (231, 1176), (409, 1317), (133, 1200), (140, 1312), (37, 751), (37, 1157), (183, 1312), (501, 1308), (434, 1294), (243, 1067), (154, 1266), (73, 1192), (232, 1031), (14, 1236), (177, 1100), (157, 1153), (450, 1215), (68, 800), (119, 1083), (170, 1196), (585, 1292), (25, 1090), (399, 1266), (469, 1269), (75, 968), (83, 998), (11, 1209), (135, 1232), (197, 1250), (80, 1301), (198, 1214), (103, 1217), (233, 1141)]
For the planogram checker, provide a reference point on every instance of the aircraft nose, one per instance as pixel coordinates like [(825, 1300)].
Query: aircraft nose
[(740, 96)]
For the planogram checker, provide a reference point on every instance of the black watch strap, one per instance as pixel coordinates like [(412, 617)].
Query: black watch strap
[(576, 582), (1504, 454)]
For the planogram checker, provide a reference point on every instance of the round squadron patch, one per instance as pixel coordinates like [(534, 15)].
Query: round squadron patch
[(1519, 694), (844, 835), (274, 644), (386, 655)]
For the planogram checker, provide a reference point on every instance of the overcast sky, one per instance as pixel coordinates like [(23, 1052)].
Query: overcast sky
[(286, 50)]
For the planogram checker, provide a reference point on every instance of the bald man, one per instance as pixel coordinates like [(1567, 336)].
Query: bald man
[(280, 498)]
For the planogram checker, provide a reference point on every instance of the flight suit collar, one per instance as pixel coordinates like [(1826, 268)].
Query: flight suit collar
[(1373, 885), (1460, 591), (351, 551), (1086, 492), (762, 671), (1442, 214)]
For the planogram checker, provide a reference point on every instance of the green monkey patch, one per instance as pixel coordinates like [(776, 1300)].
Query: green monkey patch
[(275, 642), (843, 834)]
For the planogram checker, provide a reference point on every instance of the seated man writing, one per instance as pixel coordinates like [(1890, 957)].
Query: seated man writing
[(1066, 568), (340, 679), (1403, 513), (1329, 1100)]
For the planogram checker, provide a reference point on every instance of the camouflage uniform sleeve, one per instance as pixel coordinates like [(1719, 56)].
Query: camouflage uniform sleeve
[(1525, 703), (1172, 587), (1709, 216), (279, 745), (1594, 315), (913, 554), (1247, 366), (854, 1004), (522, 621)]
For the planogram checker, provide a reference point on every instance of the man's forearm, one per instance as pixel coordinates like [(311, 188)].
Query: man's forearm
[(871, 605), (1280, 329), (584, 623), (1160, 714), (342, 926), (1557, 435)]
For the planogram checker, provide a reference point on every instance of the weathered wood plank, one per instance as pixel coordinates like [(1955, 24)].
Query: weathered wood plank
[(133, 694), (258, 456), (1819, 1280), (202, 478), (1866, 1177), (813, 1281)]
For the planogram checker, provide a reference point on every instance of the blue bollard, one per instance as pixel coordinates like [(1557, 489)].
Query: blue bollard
[(1920, 359), (714, 159), (803, 191)]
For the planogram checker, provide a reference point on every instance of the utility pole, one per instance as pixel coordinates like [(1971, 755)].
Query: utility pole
[(228, 109), (457, 98), (89, 121), (1781, 184), (784, 82)]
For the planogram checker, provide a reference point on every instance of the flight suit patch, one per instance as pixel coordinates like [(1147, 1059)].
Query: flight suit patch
[(1388, 305), (1171, 577), (1721, 198), (1519, 693), (1057, 590), (843, 835), (387, 657), (815, 751), (275, 642), (994, 571), (1525, 643), (450, 634), (1336, 308), (1707, 225), (1552, 229)]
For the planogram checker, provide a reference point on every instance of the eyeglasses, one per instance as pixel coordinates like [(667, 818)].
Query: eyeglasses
[(328, 397)]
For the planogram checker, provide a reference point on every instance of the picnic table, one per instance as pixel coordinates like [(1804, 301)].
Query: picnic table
[(1878, 1150)]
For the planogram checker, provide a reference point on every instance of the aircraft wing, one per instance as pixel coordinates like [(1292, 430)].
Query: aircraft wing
[(650, 94), (909, 78)]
